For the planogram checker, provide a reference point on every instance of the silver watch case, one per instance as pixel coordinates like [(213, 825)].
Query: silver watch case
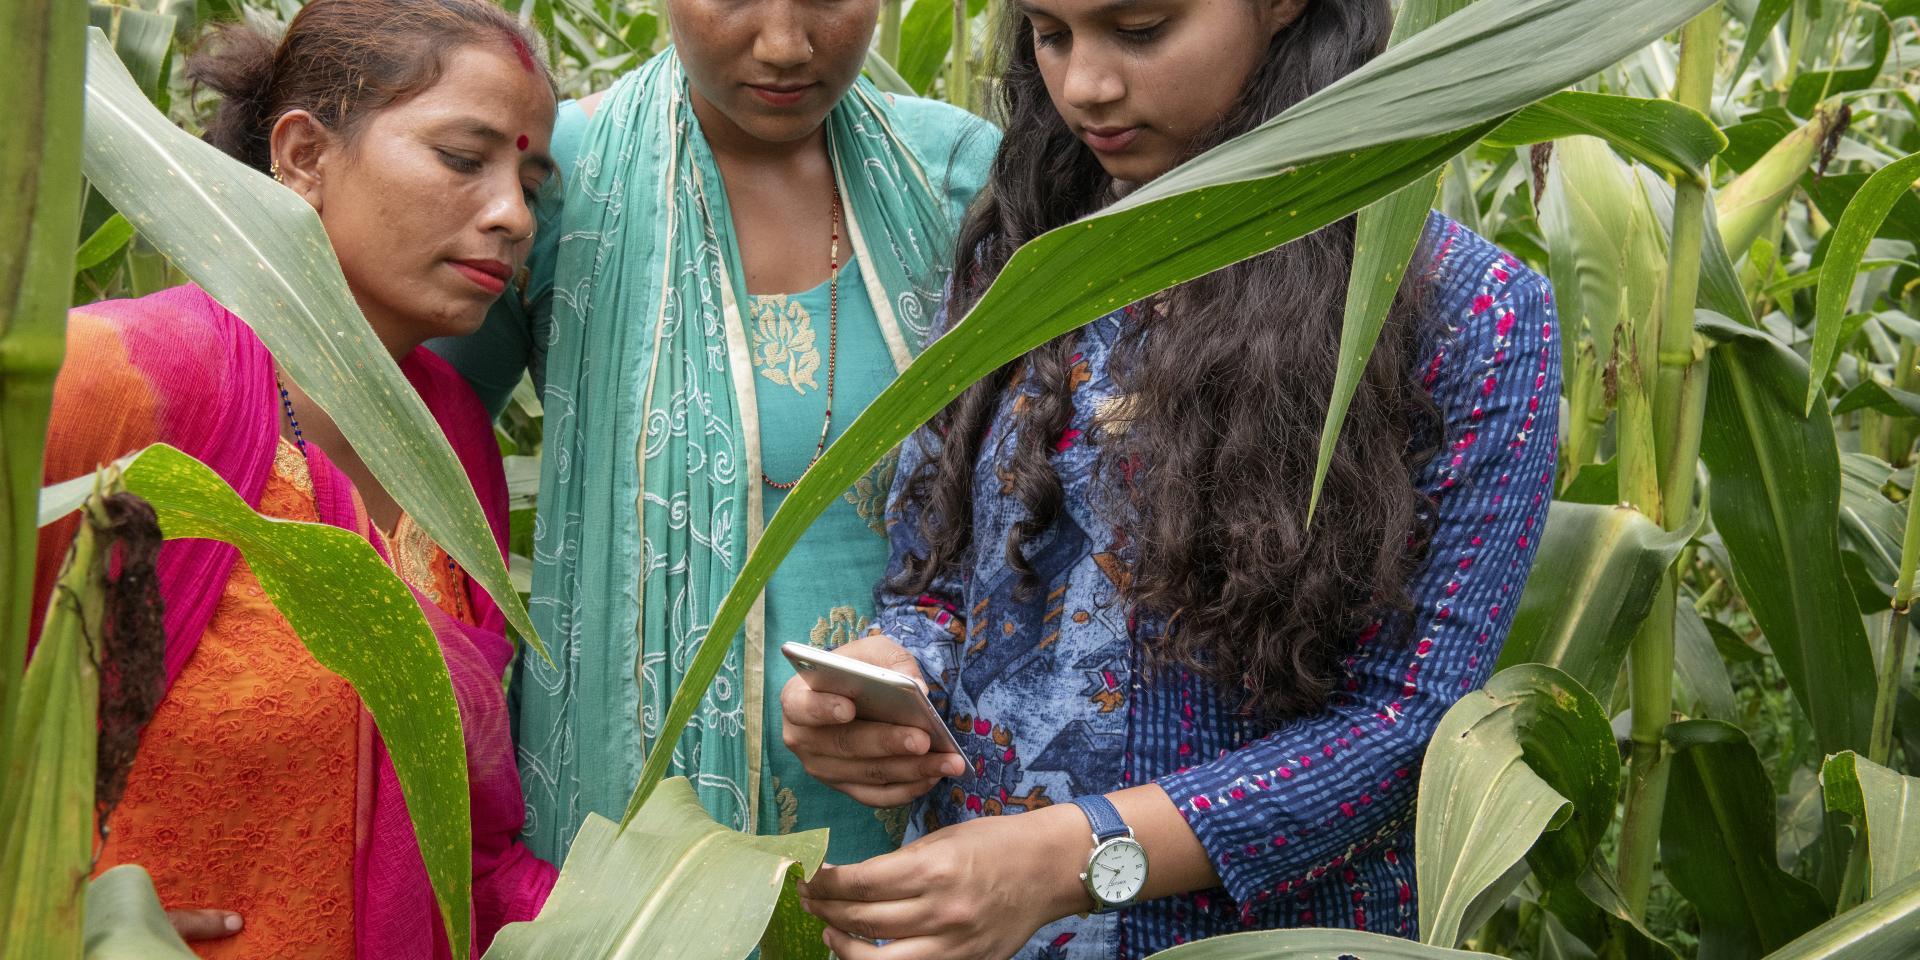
[(1101, 904)]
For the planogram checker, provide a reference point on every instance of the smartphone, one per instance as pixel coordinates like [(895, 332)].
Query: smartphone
[(877, 693)]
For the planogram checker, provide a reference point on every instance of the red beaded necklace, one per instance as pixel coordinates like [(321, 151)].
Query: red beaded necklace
[(833, 343)]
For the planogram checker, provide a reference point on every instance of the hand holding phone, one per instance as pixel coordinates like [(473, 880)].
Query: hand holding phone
[(860, 722)]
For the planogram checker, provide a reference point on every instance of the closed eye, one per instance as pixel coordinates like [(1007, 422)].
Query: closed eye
[(458, 163)]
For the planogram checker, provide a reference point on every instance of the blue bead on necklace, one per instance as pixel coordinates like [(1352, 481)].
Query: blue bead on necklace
[(286, 406)]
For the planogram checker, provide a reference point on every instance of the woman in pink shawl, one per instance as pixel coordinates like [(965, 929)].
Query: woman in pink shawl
[(262, 799)]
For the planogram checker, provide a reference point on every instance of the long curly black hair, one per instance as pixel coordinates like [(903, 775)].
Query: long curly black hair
[(1227, 379)]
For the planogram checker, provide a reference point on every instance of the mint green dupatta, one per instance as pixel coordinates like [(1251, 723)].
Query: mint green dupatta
[(650, 491)]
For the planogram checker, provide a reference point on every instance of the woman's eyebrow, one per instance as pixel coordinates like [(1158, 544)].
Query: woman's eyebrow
[(487, 132), (1111, 7)]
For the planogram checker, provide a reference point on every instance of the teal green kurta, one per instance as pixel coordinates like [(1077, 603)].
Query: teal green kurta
[(627, 563), (825, 596)]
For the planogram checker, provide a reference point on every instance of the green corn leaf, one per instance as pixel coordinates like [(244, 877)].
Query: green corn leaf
[(260, 250), (1886, 806), (670, 885), (1530, 754), (1717, 843), (1884, 928), (1667, 136), (1592, 584), (1877, 396), (1775, 502), (885, 77), (1384, 239), (143, 40), (1382, 127), (1814, 86), (111, 238), (1848, 246), (1312, 944), (1697, 663), (1766, 16), (359, 621), (1720, 289), (125, 920), (926, 34), (585, 12)]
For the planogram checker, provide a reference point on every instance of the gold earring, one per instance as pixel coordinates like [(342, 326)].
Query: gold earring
[(274, 171)]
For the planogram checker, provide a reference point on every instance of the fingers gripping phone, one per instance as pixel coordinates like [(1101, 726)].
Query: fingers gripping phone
[(887, 696)]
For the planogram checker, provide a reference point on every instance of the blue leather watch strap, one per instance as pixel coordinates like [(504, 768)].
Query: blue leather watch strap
[(1102, 816)]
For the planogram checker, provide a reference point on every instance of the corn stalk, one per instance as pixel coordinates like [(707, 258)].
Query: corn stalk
[(49, 753), (959, 70), (890, 30), (1672, 402), (42, 50)]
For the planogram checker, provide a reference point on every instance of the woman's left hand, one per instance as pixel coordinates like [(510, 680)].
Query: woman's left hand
[(972, 891)]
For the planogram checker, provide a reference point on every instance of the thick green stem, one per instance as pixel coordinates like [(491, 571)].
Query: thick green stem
[(47, 761), (890, 31), (1898, 449), (958, 79), (1894, 654), (1650, 685), (1674, 396), (42, 58)]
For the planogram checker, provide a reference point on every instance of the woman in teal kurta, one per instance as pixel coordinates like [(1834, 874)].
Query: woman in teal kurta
[(678, 405)]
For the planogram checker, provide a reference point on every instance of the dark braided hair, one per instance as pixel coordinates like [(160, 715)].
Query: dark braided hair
[(1206, 469)]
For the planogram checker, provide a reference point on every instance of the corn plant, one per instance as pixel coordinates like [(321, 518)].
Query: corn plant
[(1721, 194)]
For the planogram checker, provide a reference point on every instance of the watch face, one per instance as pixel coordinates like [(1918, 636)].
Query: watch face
[(1117, 871)]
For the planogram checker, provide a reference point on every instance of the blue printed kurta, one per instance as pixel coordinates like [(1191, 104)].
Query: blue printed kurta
[(1308, 823)]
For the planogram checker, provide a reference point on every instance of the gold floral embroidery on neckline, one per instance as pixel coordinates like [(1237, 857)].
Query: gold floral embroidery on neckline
[(785, 349)]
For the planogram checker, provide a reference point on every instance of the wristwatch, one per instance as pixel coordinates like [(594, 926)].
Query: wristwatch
[(1117, 868)]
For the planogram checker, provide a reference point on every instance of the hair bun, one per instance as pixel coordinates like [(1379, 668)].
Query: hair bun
[(237, 62)]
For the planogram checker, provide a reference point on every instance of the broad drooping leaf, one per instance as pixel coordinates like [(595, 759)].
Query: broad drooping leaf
[(1717, 842), (359, 621), (1592, 583), (1848, 245), (1670, 137), (1884, 804), (1529, 754), (1775, 503), (260, 250), (1384, 238), (670, 885), (125, 920), (1886, 927), (1372, 133)]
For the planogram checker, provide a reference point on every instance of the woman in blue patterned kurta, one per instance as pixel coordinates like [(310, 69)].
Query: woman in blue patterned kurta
[(1255, 698)]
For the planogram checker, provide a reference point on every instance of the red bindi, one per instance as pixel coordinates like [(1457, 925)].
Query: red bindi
[(522, 143)]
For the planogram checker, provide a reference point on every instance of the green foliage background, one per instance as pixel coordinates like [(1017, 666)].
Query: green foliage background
[(1725, 577)]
